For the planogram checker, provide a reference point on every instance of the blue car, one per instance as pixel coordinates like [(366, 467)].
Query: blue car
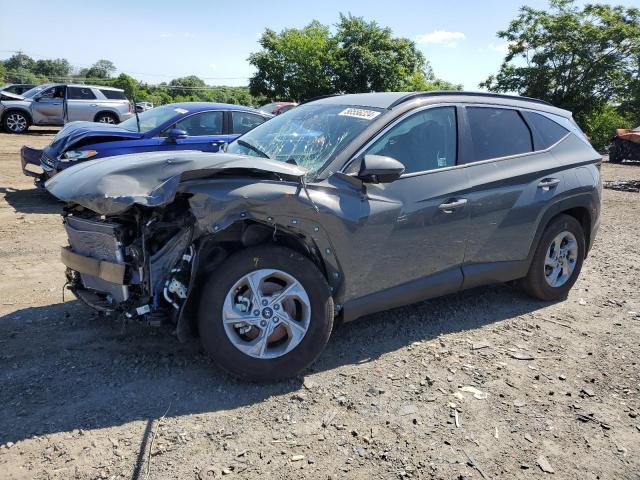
[(177, 126)]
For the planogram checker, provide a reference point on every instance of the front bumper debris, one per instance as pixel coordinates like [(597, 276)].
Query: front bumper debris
[(108, 271), (36, 164)]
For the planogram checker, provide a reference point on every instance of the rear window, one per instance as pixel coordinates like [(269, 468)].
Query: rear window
[(80, 93), (113, 94), (498, 132), (549, 132)]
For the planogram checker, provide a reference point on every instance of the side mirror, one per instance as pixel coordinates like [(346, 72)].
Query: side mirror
[(175, 133), (37, 99), (379, 169)]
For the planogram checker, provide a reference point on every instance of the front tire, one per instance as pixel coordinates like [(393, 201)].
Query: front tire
[(557, 260), (15, 122), (268, 316)]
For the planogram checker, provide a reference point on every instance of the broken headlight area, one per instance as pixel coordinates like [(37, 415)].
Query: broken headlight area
[(137, 264)]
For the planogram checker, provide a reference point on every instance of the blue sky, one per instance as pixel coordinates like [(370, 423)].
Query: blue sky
[(159, 40)]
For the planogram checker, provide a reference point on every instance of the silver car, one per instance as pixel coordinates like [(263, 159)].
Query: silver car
[(55, 104)]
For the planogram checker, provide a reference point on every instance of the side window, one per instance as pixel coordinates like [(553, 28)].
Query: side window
[(549, 131), (53, 92), (200, 124), (113, 94), (79, 93), (424, 141), (498, 132), (242, 122)]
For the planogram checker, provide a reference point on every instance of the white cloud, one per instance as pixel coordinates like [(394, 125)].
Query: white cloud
[(441, 37), (189, 35), (213, 66), (166, 35), (499, 47)]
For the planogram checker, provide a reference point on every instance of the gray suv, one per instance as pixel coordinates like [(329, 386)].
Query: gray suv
[(55, 104), (339, 208)]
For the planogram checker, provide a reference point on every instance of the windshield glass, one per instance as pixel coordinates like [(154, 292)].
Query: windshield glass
[(152, 118), (307, 136), (31, 93)]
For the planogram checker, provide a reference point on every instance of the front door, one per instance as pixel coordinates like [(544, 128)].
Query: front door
[(205, 132), (427, 226), (48, 108)]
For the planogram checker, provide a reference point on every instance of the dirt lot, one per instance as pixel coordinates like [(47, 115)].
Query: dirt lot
[(554, 386)]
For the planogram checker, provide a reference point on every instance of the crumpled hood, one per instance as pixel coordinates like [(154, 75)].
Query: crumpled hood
[(8, 96), (110, 185), (73, 132)]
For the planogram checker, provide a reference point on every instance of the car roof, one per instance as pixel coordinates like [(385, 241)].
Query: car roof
[(390, 100), (80, 85), (197, 106)]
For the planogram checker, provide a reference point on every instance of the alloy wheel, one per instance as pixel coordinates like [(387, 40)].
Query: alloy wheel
[(266, 313), (16, 122), (106, 119), (560, 260)]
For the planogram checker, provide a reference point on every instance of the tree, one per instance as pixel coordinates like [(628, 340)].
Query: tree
[(191, 84), (299, 64), (19, 68), (295, 64), (55, 70), (578, 59), (128, 84), (100, 69), (370, 59)]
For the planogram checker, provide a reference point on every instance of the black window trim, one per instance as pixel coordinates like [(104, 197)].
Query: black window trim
[(230, 120), (459, 139), (536, 132), (464, 138), (69, 87), (160, 133)]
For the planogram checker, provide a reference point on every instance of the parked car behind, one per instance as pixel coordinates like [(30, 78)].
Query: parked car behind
[(625, 145), (17, 88), (277, 108), (55, 104), (143, 106), (178, 126), (382, 200)]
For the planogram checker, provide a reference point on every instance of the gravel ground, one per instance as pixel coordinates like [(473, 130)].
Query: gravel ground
[(483, 384)]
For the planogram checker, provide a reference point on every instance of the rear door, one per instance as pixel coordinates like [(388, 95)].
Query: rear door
[(426, 232), (242, 122), (513, 178), (82, 104), (205, 130)]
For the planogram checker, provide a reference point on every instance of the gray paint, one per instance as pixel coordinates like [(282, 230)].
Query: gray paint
[(374, 240)]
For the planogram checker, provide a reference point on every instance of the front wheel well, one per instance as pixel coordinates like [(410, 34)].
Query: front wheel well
[(213, 249), (24, 112)]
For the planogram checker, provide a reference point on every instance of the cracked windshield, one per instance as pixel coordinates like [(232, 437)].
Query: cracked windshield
[(307, 136)]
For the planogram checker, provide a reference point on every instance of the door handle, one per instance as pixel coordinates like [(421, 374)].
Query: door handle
[(449, 207), (548, 183), (93, 105)]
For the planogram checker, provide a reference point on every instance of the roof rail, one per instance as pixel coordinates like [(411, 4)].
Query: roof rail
[(320, 97), (440, 93)]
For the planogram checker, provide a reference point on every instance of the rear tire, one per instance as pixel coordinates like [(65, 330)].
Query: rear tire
[(248, 338), (15, 121), (107, 118), (557, 260)]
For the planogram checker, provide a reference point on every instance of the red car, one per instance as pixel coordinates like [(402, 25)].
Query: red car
[(276, 108)]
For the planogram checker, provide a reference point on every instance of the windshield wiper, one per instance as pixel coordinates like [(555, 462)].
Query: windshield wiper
[(251, 147)]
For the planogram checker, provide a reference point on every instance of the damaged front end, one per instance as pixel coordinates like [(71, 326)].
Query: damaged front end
[(135, 264)]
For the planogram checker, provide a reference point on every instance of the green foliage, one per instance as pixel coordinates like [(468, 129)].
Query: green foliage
[(184, 86), (601, 124), (58, 69), (294, 64), (578, 59), (100, 69), (127, 83), (298, 64)]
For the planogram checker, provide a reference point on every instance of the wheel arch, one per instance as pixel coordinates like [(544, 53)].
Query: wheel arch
[(17, 109), (109, 112), (213, 248), (579, 207)]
